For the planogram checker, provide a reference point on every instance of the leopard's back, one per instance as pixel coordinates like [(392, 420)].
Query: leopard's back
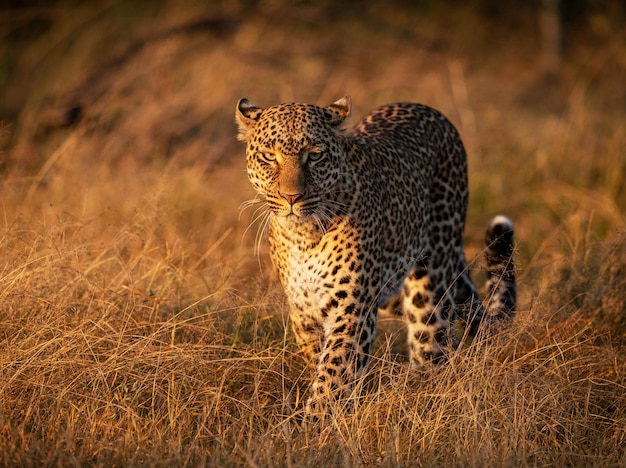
[(416, 168)]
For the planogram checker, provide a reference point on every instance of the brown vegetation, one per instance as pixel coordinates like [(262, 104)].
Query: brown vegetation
[(137, 326)]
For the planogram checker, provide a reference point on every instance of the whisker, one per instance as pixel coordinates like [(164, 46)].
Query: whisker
[(340, 208), (267, 216), (256, 217), (319, 222), (333, 211), (246, 204), (326, 217)]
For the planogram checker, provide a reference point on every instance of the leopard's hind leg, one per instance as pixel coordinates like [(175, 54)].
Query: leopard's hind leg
[(429, 311)]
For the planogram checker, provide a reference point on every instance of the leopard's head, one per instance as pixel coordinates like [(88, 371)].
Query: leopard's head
[(295, 155)]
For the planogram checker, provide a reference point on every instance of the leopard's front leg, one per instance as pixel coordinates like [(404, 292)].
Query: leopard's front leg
[(349, 330), (331, 285)]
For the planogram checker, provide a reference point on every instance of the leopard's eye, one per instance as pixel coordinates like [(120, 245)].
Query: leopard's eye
[(316, 156), (267, 157)]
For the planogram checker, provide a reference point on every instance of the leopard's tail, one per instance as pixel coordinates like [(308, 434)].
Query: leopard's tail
[(501, 290)]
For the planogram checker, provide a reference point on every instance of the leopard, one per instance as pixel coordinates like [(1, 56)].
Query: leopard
[(368, 220)]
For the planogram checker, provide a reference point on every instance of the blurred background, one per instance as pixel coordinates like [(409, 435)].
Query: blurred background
[(137, 323), (112, 93), (164, 74)]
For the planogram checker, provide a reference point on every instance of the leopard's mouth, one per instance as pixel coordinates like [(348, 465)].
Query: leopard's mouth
[(293, 214), (300, 211), (299, 217), (303, 210)]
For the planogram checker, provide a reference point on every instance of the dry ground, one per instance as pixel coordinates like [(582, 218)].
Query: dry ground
[(137, 325)]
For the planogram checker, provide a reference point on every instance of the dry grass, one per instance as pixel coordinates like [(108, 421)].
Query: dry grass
[(136, 324)]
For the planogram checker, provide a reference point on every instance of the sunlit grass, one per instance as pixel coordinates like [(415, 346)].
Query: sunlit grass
[(139, 326)]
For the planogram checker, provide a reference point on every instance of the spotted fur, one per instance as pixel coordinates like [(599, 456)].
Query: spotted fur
[(365, 219)]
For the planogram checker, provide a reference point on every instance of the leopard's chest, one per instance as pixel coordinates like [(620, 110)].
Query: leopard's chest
[(313, 269)]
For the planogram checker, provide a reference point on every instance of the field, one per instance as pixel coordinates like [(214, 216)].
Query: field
[(140, 320)]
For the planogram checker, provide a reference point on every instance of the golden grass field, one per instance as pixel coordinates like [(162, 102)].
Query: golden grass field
[(138, 325)]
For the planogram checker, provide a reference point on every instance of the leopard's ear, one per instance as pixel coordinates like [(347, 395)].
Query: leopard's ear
[(247, 115), (340, 110)]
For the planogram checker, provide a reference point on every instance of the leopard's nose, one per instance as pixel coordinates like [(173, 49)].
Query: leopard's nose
[(291, 197)]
